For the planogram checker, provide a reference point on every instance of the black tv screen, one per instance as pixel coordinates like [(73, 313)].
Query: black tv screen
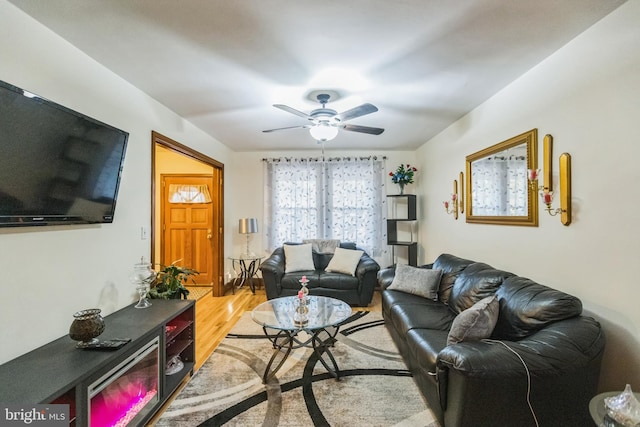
[(57, 166)]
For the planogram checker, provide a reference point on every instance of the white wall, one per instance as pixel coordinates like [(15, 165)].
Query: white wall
[(49, 273), (587, 96)]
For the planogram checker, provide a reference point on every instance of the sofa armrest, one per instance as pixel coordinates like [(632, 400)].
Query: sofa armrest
[(366, 265), (272, 270), (367, 273), (385, 277), (571, 349)]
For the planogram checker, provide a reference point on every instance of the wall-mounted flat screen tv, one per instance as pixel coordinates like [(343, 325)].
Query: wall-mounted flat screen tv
[(57, 166)]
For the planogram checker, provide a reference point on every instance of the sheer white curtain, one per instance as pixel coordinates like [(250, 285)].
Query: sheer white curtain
[(293, 201), (518, 186), (337, 198)]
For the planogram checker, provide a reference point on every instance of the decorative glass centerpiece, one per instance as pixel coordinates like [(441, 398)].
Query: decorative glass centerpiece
[(141, 277), (303, 288), (301, 315), (624, 408)]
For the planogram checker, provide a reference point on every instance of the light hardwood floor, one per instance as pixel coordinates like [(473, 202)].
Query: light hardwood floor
[(215, 316)]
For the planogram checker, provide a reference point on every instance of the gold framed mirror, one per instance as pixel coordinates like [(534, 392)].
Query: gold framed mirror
[(497, 190)]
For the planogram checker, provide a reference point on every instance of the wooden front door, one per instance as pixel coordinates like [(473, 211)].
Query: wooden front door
[(188, 228)]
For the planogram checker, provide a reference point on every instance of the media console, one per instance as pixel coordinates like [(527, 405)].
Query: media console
[(125, 386)]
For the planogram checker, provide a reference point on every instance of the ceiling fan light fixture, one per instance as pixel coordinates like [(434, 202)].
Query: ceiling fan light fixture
[(328, 122), (323, 132)]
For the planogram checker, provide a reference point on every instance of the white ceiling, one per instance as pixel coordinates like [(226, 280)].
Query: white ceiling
[(222, 64)]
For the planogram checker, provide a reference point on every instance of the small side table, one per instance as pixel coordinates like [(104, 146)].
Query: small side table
[(599, 412), (246, 269)]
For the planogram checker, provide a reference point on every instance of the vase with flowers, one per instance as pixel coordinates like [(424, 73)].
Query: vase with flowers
[(403, 175)]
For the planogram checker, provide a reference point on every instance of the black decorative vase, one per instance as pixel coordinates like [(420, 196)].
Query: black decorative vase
[(86, 326)]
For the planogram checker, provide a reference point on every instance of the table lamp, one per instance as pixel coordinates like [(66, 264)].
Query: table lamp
[(248, 226)]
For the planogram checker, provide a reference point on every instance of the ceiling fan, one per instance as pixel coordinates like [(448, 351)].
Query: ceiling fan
[(326, 122)]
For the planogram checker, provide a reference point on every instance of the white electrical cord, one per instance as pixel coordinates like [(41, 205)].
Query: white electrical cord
[(535, 419)]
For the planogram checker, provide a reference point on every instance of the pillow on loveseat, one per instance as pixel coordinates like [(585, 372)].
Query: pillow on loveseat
[(423, 282), (344, 261), (298, 258), (476, 322)]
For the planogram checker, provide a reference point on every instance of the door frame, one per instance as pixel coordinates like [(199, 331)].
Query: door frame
[(158, 139)]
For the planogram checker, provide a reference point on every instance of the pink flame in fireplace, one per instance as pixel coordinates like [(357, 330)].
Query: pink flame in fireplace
[(117, 406)]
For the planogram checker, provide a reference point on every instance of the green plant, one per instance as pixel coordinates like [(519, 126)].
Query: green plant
[(169, 281)]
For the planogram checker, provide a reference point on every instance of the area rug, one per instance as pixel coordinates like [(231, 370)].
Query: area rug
[(375, 387)]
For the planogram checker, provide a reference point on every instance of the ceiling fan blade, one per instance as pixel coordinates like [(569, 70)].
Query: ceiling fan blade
[(293, 111), (358, 111), (363, 129), (290, 127)]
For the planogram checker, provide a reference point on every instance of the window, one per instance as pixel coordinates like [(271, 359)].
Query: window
[(338, 198), (190, 193)]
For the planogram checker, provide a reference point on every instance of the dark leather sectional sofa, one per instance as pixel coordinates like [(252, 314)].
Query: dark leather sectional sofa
[(354, 290), (484, 383)]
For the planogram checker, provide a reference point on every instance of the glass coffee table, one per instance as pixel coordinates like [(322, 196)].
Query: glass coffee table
[(324, 317)]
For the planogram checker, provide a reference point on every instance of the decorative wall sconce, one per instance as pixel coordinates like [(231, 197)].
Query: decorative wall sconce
[(451, 206), (461, 202), (546, 189), (533, 175)]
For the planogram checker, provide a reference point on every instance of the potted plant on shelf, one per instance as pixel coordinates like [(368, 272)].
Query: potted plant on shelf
[(403, 175), (168, 283)]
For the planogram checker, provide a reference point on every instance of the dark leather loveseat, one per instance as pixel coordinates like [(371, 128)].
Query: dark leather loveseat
[(354, 290), (484, 383)]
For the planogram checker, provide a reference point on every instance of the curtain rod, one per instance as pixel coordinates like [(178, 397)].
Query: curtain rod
[(319, 159)]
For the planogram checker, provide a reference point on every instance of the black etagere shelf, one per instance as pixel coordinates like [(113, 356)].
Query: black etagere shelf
[(409, 213)]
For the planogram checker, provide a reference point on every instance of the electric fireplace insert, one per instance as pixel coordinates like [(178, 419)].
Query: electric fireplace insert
[(128, 392)]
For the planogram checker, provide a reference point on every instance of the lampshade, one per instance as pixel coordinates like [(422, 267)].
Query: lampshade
[(248, 225), (323, 132)]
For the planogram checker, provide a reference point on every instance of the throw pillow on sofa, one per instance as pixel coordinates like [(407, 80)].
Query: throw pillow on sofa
[(476, 322), (298, 258), (423, 282), (344, 261)]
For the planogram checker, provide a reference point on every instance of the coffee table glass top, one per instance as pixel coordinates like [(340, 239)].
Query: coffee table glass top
[(323, 312)]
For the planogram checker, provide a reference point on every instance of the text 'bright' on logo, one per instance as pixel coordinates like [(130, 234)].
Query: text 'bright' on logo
[(53, 415)]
